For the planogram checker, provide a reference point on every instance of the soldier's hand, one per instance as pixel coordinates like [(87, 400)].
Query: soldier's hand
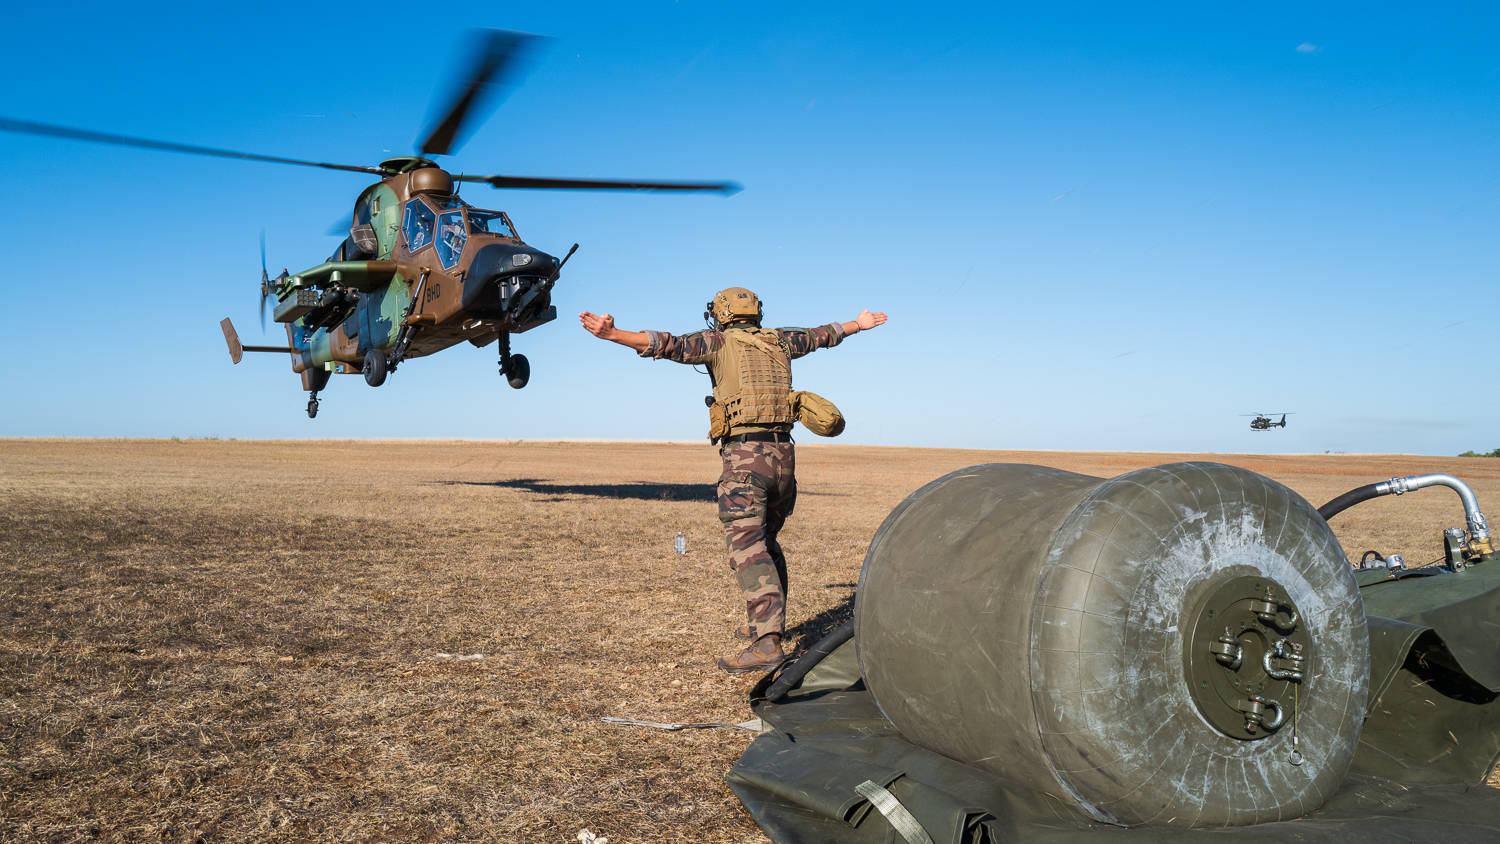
[(867, 320), (599, 326)]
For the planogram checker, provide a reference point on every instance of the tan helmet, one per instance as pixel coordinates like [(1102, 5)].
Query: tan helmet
[(430, 180), (734, 304)]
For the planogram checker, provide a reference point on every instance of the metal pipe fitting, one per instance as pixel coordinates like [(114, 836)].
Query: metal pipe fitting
[(1479, 528)]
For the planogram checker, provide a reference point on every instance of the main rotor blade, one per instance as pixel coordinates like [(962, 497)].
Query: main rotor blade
[(25, 127), (535, 183), (496, 55)]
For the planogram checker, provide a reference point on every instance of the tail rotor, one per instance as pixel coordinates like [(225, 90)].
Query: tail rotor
[(265, 282), (268, 286)]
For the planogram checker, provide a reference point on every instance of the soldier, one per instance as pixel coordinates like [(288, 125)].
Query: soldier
[(751, 418)]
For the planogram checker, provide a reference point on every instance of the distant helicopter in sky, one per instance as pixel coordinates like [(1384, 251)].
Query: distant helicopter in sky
[(1262, 421)]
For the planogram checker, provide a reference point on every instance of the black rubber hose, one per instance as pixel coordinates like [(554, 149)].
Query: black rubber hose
[(805, 663), (1347, 500)]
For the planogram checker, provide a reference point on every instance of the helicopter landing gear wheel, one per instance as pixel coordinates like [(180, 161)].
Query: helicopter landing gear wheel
[(375, 367), (516, 369), (520, 371), (312, 405)]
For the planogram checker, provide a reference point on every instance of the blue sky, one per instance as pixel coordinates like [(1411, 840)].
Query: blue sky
[(1094, 228)]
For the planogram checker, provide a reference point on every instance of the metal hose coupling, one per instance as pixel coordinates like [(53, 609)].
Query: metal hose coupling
[(1479, 528)]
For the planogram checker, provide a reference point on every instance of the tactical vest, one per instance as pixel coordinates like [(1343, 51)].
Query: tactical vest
[(753, 381)]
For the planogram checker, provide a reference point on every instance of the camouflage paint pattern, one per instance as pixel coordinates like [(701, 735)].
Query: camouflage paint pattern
[(702, 347), (758, 488), (385, 217), (482, 284), (706, 347), (757, 492), (387, 284)]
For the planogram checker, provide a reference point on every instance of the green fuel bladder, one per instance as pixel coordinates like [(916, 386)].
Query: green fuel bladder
[(1152, 648)]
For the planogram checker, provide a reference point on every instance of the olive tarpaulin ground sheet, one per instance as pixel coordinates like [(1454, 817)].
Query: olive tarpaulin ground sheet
[(1430, 739)]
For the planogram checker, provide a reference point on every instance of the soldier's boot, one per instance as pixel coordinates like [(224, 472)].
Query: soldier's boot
[(764, 655), (746, 633)]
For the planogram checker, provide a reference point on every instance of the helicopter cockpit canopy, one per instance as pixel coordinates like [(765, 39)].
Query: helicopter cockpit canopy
[(490, 222), (447, 221), (451, 237), (418, 225)]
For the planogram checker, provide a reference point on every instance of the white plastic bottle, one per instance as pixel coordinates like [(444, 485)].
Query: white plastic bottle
[(681, 543)]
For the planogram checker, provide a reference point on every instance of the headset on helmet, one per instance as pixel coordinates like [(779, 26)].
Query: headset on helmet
[(735, 304)]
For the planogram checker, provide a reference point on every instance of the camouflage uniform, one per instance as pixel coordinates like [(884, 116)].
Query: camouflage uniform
[(758, 488)]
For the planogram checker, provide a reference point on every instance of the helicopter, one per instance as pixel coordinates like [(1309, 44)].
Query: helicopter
[(1262, 421), (420, 269)]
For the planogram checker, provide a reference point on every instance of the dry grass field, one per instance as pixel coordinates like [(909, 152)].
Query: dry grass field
[(259, 641)]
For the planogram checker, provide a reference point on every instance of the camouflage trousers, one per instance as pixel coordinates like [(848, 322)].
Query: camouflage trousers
[(756, 494)]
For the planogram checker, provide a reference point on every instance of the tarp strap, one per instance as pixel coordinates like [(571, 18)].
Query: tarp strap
[(754, 725), (894, 812)]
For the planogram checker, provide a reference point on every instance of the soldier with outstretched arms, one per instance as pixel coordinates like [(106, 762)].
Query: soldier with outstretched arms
[(751, 419)]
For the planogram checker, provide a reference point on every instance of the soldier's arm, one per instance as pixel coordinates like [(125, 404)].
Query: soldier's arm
[(698, 347), (603, 327), (804, 340), (691, 349), (864, 322)]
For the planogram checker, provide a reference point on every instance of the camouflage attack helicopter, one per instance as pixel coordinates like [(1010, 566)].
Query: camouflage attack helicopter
[(1262, 421), (420, 269)]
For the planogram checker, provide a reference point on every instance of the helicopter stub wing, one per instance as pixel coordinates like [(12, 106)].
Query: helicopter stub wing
[(363, 276)]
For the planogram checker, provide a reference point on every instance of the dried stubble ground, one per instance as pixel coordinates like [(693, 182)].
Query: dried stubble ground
[(234, 641)]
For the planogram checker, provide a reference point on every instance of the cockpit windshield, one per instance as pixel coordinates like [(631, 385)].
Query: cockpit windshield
[(449, 228), (451, 238), (492, 222), (418, 225)]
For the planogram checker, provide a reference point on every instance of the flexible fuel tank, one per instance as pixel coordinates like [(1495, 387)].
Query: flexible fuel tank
[(1179, 646)]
